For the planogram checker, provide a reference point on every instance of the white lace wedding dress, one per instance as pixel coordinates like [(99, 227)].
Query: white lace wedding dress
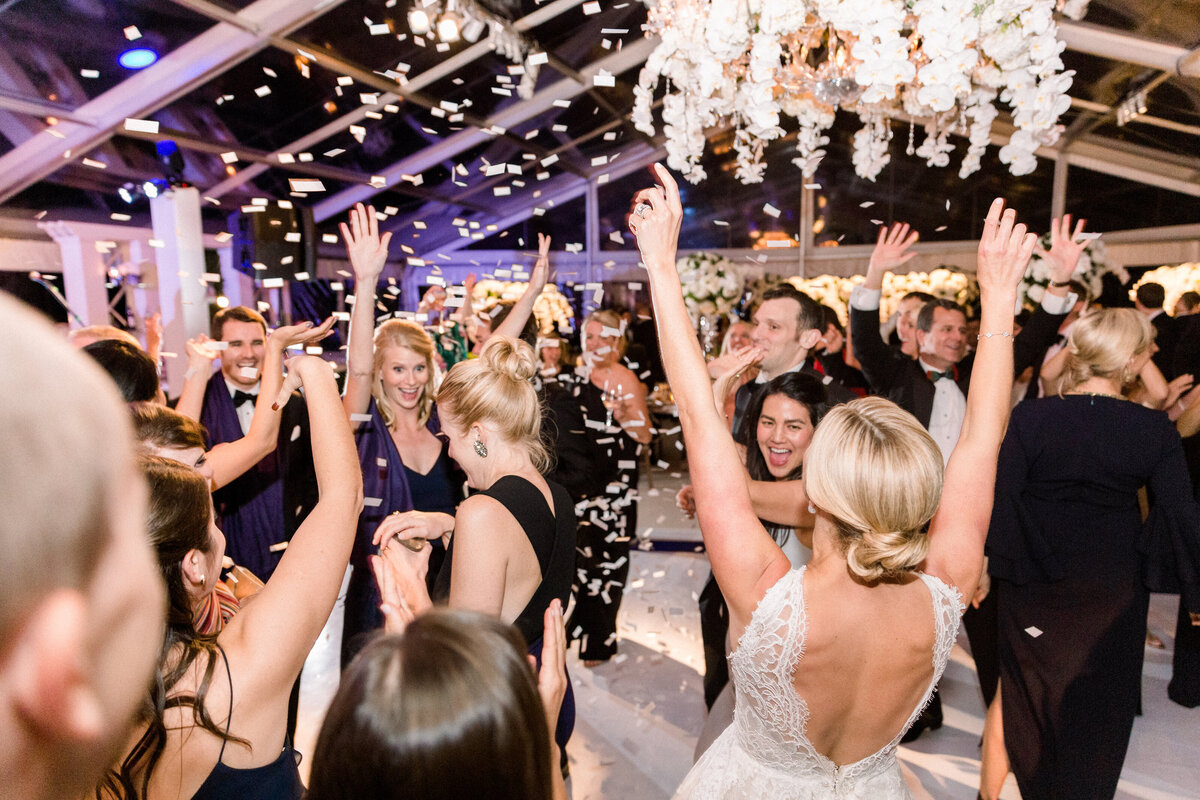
[(765, 754)]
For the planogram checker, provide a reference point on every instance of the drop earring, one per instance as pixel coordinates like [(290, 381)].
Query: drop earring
[(480, 448)]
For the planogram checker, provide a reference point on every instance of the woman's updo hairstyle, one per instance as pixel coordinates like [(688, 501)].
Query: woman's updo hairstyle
[(402, 333), (878, 474), (495, 388), (449, 709), (1102, 344)]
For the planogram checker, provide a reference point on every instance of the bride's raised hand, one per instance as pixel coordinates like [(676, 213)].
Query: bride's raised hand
[(655, 221)]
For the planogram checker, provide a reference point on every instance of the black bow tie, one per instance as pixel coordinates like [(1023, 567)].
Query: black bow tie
[(240, 398), (935, 376)]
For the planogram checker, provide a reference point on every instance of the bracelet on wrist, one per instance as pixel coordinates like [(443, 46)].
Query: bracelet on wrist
[(991, 334), (1060, 284)]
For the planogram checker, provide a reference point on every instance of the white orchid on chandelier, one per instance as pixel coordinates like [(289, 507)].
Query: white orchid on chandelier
[(943, 63)]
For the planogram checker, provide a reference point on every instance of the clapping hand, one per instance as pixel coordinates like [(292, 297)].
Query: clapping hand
[(552, 676), (1065, 248), (368, 251), (740, 361), (201, 352), (400, 574)]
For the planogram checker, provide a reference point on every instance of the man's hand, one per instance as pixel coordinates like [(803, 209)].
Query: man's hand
[(892, 251), (368, 251), (1065, 248)]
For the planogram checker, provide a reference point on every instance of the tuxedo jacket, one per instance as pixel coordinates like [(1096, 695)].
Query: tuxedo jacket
[(1166, 336), (901, 379)]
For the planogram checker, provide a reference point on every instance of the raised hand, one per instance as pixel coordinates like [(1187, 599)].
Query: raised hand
[(201, 352), (412, 525), (1065, 248), (367, 250), (1004, 252), (655, 221), (540, 273), (892, 250), (304, 333)]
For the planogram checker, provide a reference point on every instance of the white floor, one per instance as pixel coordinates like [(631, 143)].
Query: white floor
[(639, 714)]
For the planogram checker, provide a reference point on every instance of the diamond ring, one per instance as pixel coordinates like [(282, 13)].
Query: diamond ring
[(640, 209)]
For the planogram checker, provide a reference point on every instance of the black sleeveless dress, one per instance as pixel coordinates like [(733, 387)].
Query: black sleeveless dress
[(552, 536)]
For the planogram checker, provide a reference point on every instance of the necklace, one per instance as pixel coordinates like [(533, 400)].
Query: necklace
[(1096, 394)]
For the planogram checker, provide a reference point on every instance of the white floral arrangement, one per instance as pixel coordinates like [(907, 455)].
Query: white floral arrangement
[(943, 61), (711, 284), (943, 283), (1090, 271), (1175, 279), (551, 309)]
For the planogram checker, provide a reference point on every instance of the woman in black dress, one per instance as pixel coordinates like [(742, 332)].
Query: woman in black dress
[(1073, 563)]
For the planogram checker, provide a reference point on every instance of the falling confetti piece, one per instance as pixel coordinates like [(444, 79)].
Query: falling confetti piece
[(1034, 631), (306, 185), (771, 211), (866, 204), (940, 228), (263, 90), (591, 8), (603, 78), (141, 125), (229, 158), (1087, 237), (132, 33), (89, 73)]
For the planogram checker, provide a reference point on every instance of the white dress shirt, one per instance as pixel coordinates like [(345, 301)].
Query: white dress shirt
[(245, 412), (949, 410)]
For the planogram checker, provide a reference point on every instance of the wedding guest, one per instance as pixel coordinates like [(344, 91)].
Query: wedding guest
[(933, 387), (1149, 300), (81, 603), (1072, 562), (214, 722), (133, 371), (446, 709), (821, 706), (831, 355), (390, 386), (1187, 304), (614, 402), (738, 336), (260, 510), (550, 356), (905, 334)]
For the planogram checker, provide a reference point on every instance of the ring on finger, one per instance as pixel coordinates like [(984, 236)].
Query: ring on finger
[(641, 209)]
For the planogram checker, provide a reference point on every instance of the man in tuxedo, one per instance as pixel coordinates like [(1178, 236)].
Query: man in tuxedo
[(82, 601), (260, 510), (933, 387), (1149, 301)]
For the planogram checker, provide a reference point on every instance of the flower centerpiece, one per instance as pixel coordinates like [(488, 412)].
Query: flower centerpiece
[(711, 284), (945, 63), (1093, 266), (1175, 279), (551, 309)]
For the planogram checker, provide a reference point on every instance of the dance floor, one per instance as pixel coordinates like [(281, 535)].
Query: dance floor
[(639, 715)]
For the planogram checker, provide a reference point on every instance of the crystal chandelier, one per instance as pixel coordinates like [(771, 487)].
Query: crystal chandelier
[(940, 63)]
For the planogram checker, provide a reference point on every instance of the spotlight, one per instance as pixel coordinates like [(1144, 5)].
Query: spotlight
[(151, 189), (222, 301), (170, 161), (125, 194), (137, 58), (418, 21), (448, 25)]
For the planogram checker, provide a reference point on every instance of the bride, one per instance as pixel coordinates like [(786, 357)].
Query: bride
[(834, 661)]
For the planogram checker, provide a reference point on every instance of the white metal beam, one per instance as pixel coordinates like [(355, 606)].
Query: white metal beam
[(1108, 43), (626, 58), (177, 73), (414, 84)]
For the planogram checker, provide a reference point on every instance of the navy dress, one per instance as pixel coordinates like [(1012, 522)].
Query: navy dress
[(1072, 565), (386, 488)]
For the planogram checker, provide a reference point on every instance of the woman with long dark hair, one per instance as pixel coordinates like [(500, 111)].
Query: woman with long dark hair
[(214, 722)]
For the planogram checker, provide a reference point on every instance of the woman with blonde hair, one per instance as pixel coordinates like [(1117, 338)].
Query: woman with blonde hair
[(390, 385), (1073, 563), (834, 661), (510, 547)]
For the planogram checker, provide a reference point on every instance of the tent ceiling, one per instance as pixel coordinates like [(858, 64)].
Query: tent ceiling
[(312, 81)]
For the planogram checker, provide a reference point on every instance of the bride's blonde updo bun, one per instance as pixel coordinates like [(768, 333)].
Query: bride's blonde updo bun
[(878, 474), (494, 389)]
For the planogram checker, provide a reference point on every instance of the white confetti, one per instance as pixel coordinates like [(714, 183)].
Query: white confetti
[(591, 8), (141, 125), (132, 33), (372, 502), (770, 210), (1034, 631), (866, 204), (306, 185), (249, 373), (360, 417)]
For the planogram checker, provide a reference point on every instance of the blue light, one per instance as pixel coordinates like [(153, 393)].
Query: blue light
[(137, 58)]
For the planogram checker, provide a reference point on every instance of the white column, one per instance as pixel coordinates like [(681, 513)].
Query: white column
[(84, 275), (182, 296)]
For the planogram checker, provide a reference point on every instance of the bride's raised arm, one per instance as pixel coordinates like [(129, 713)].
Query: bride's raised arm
[(745, 560), (959, 529)]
